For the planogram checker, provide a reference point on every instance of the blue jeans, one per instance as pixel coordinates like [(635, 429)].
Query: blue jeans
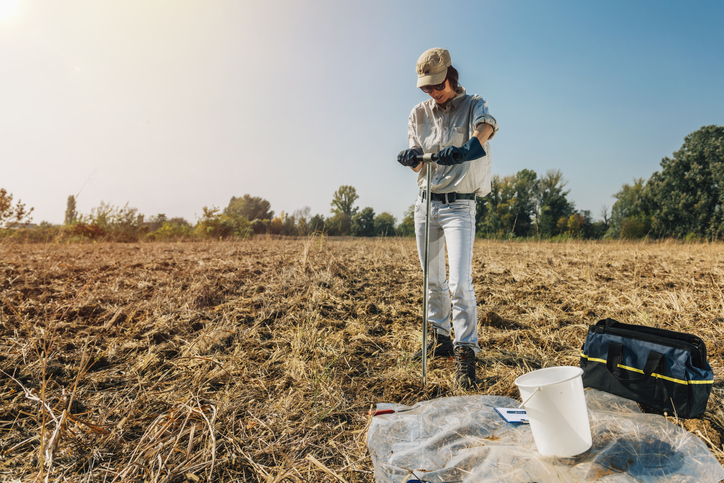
[(453, 223)]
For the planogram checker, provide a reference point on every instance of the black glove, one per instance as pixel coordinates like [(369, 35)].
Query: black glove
[(407, 157), (469, 151)]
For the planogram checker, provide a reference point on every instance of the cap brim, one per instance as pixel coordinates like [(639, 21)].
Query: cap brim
[(432, 79)]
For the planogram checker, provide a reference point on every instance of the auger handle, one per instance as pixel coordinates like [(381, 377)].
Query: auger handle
[(426, 158)]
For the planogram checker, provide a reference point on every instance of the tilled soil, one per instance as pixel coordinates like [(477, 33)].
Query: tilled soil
[(258, 360)]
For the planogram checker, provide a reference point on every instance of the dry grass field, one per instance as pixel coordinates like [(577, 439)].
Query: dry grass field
[(257, 360)]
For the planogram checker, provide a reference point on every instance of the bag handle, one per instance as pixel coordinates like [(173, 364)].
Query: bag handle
[(615, 351)]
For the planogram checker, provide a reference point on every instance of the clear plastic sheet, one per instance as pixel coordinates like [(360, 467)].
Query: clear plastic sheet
[(463, 439)]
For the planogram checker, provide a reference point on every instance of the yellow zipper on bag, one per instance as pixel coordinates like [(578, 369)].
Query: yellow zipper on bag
[(654, 374)]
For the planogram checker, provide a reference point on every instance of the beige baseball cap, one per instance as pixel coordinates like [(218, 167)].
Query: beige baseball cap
[(432, 67)]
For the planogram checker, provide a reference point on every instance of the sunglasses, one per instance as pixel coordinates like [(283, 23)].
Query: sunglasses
[(429, 89)]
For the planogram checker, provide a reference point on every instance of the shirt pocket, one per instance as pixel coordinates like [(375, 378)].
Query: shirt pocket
[(457, 136)]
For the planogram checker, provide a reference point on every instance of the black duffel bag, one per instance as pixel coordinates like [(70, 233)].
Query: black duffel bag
[(663, 370)]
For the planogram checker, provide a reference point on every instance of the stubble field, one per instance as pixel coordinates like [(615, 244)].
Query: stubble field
[(257, 360)]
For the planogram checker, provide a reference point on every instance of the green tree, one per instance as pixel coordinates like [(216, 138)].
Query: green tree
[(553, 204), (363, 222), (523, 203), (407, 226), (632, 228), (316, 224), (633, 204), (250, 207), (71, 214), (589, 228), (179, 221), (119, 223), (688, 192), (10, 213), (339, 225), (506, 208), (175, 228), (215, 224), (488, 217), (343, 201), (276, 225), (122, 224), (510, 207), (259, 226), (303, 216), (576, 225), (290, 225), (600, 227), (157, 222), (385, 224)]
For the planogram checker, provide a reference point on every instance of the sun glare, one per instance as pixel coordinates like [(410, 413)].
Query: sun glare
[(8, 8)]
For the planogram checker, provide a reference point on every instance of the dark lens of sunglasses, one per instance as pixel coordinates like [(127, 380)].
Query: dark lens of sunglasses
[(428, 89)]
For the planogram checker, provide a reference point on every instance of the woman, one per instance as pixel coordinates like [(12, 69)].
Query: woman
[(458, 127)]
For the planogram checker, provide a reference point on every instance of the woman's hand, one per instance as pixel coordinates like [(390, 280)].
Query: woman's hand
[(407, 157), (453, 155), (473, 149)]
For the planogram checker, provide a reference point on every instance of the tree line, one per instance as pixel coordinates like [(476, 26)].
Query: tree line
[(685, 199), (244, 216), (345, 217)]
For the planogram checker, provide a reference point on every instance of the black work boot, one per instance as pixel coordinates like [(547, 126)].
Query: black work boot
[(465, 367), (438, 346)]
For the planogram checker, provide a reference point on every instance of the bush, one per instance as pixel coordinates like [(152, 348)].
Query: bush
[(110, 223), (384, 224), (407, 227), (632, 229), (576, 223), (283, 224), (339, 225), (45, 233), (290, 226), (316, 225), (259, 227), (91, 231), (172, 231), (9, 213), (276, 226), (693, 237), (216, 225)]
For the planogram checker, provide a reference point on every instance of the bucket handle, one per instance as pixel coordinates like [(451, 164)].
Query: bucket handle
[(530, 396)]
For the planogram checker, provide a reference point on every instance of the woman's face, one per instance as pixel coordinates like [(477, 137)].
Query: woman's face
[(441, 97)]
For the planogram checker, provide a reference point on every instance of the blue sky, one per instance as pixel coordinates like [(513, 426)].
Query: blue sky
[(172, 105)]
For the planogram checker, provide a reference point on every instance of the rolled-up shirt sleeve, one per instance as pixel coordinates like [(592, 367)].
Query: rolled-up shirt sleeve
[(482, 115), (412, 138)]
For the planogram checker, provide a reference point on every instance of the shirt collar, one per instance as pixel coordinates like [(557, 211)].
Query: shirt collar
[(454, 102)]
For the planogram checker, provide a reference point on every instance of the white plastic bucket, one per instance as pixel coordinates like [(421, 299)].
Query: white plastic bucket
[(556, 406)]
